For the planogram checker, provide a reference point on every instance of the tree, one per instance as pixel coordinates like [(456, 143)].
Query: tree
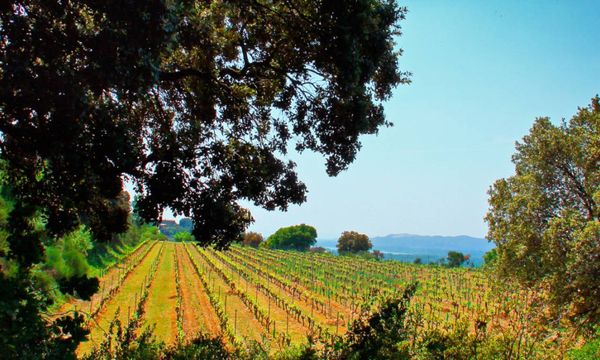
[(544, 219), (353, 242), (192, 104), (298, 237), (455, 258), (252, 239), (196, 104), (378, 255)]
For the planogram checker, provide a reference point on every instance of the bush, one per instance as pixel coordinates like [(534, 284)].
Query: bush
[(376, 335)]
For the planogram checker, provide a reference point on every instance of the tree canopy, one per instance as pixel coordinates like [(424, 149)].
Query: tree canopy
[(297, 237), (196, 103), (353, 242), (456, 258), (545, 218), (253, 239)]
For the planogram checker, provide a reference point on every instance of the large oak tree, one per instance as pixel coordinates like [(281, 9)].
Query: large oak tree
[(197, 103)]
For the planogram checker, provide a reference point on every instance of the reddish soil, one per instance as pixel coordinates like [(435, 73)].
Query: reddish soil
[(198, 313)]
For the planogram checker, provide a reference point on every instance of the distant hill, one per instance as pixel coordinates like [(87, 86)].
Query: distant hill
[(429, 248)]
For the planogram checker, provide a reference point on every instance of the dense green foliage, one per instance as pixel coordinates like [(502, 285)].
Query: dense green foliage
[(455, 259), (196, 104), (297, 237), (490, 257), (183, 236), (545, 219), (69, 264), (253, 239), (353, 242)]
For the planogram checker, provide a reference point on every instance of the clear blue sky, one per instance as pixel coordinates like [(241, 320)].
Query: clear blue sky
[(482, 72)]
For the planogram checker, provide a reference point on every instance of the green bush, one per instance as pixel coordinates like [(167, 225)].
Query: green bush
[(298, 237)]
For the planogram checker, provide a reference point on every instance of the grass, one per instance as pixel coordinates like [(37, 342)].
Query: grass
[(160, 308)]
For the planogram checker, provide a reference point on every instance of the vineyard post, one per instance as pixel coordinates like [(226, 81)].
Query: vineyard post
[(337, 318), (235, 323)]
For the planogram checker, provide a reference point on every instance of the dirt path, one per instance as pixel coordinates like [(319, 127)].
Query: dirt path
[(160, 307), (123, 301), (198, 313)]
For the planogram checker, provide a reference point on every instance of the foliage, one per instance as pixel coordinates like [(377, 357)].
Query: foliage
[(455, 258), (545, 218), (591, 350), (252, 239), (103, 255), (24, 334), (490, 257), (353, 242), (297, 237), (375, 335), (183, 236), (418, 261), (191, 103), (196, 104)]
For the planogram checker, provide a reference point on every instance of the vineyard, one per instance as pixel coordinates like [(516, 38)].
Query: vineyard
[(279, 297)]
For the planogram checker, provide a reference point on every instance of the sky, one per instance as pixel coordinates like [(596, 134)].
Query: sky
[(482, 72)]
